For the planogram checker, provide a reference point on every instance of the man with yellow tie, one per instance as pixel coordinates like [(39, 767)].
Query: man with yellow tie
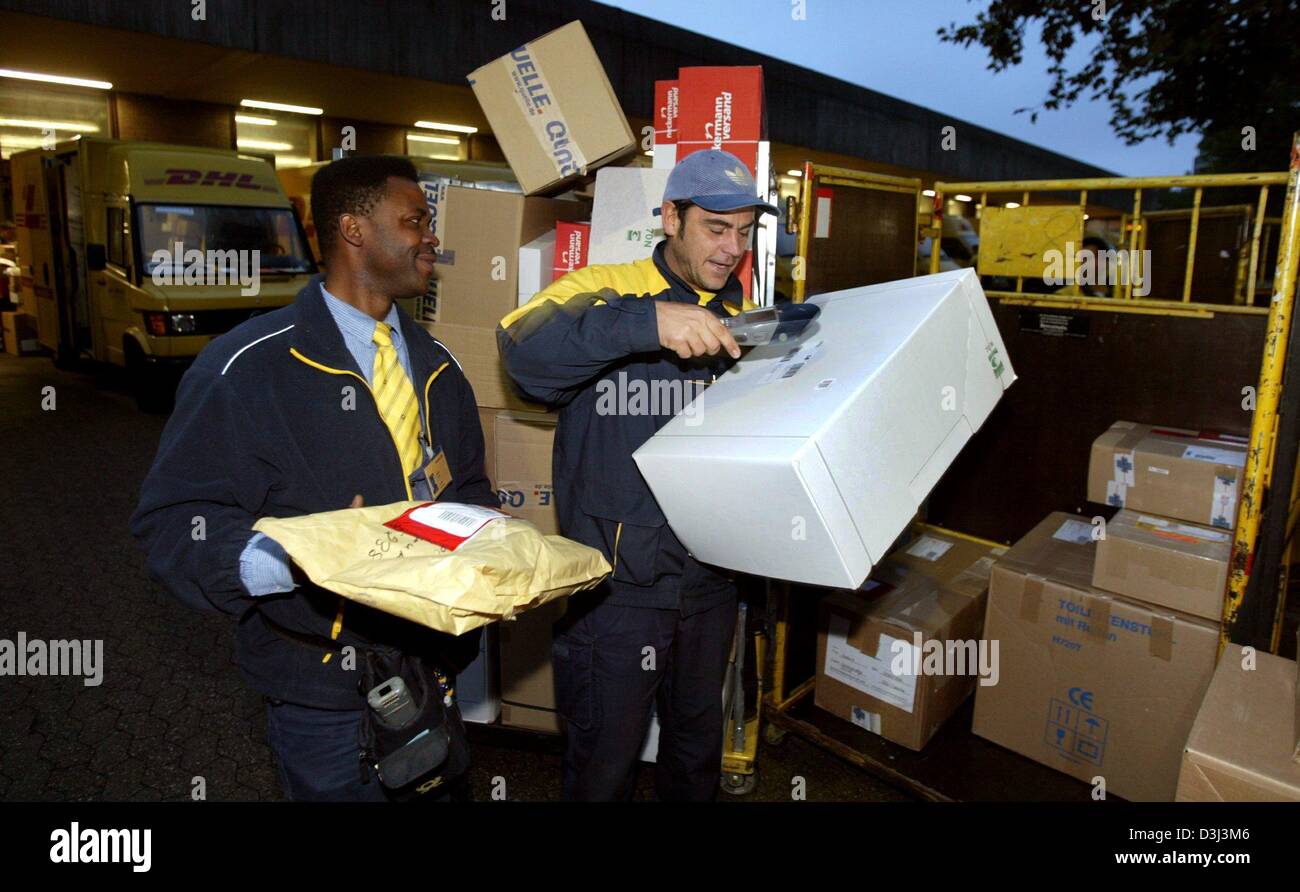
[(338, 399)]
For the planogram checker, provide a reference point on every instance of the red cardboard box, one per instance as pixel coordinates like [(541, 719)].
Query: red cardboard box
[(572, 241), (721, 108)]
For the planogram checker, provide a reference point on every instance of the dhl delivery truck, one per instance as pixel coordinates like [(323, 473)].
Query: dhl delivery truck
[(137, 254)]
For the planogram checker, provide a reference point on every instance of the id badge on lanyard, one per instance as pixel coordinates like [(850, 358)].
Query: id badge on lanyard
[(436, 471)]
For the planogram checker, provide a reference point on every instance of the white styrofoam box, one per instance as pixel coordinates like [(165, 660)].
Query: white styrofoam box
[(828, 443), (623, 225), (536, 266), (665, 157), (478, 688)]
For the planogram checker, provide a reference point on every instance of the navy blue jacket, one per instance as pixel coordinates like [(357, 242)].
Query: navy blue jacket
[(591, 336), (275, 419)]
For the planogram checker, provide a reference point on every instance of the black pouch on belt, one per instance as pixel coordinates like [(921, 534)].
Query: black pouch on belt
[(411, 735)]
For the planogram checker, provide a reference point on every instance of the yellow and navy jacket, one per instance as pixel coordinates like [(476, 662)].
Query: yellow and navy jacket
[(275, 419), (589, 346)]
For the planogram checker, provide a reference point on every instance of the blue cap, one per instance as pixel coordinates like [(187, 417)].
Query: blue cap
[(716, 181)]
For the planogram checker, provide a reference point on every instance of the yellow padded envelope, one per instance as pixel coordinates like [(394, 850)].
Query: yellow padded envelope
[(447, 566)]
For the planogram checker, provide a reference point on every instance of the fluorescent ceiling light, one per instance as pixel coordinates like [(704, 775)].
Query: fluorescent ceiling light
[(21, 140), (254, 119), (928, 193), (265, 144), (55, 79), (794, 173), (454, 128), (962, 197), (1013, 204), (280, 106), (441, 140), (36, 124)]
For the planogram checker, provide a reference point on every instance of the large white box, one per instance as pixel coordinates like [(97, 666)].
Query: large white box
[(536, 266), (808, 458), (623, 225)]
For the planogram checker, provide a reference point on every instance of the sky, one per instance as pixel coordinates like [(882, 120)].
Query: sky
[(891, 46)]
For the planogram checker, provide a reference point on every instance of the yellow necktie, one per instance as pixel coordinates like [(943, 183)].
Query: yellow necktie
[(396, 399)]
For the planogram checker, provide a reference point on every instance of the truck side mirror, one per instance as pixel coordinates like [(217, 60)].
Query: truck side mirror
[(96, 259)]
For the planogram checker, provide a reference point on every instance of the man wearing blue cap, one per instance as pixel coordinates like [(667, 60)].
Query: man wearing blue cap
[(619, 349)]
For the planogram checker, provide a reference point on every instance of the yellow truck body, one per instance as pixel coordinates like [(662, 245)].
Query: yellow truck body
[(138, 254)]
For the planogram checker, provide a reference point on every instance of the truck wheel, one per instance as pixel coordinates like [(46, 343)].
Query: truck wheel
[(153, 388)]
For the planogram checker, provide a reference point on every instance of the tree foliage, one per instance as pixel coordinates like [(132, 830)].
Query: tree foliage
[(1165, 67)]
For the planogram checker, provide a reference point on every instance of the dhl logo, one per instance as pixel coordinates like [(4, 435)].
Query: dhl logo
[(179, 176)]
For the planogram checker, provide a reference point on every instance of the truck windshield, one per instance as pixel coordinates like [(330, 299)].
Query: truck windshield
[(219, 230)]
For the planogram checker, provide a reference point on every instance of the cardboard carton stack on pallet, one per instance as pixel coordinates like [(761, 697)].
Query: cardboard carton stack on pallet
[(1109, 630)]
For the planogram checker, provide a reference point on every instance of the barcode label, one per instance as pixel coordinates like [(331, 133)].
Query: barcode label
[(457, 517), (449, 525), (929, 548)]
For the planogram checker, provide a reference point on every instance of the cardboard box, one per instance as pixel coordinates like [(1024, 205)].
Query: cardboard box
[(527, 676), (843, 431), (536, 266), (552, 109), (1174, 472), (524, 446), (475, 348), (667, 111), (478, 688), (478, 263), (1091, 684), (623, 225), (721, 108), (871, 670), (572, 247), (1240, 747), (1164, 562), (20, 334)]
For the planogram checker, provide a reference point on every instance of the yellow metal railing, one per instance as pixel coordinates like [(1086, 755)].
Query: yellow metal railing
[(823, 174), (1262, 442), (1262, 446), (1134, 221)]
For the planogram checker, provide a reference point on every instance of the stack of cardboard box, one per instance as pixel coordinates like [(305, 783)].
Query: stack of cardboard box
[(898, 656), (1109, 630), (556, 118), (478, 284)]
